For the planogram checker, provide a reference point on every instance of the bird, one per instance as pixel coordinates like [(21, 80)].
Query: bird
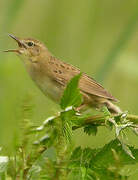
[(52, 75)]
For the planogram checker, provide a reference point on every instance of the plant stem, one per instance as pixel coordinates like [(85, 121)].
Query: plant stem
[(100, 120), (133, 118)]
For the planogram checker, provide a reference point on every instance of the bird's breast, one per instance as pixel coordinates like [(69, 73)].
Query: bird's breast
[(50, 88), (47, 85)]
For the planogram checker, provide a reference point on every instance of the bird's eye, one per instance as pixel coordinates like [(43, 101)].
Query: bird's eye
[(30, 43)]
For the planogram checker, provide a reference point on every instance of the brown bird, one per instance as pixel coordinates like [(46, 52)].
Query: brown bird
[(52, 75)]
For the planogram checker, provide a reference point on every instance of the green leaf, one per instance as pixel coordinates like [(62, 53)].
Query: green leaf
[(109, 174), (71, 120), (40, 163), (104, 163), (90, 130), (82, 157), (101, 160), (66, 117), (72, 96), (126, 148), (75, 157), (80, 162), (106, 111), (79, 120)]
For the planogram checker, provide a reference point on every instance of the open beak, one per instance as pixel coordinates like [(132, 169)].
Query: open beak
[(16, 39), (20, 44)]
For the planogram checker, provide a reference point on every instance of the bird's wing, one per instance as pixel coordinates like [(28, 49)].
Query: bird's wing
[(90, 86), (87, 84)]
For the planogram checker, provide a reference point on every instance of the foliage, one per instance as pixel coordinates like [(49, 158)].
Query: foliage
[(47, 152), (103, 163), (71, 96)]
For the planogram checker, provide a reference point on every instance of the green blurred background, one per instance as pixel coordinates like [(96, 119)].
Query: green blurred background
[(98, 36)]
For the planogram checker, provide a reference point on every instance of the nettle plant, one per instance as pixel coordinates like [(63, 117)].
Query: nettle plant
[(47, 152)]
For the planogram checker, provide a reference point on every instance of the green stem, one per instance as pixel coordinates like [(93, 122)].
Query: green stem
[(100, 120), (133, 118)]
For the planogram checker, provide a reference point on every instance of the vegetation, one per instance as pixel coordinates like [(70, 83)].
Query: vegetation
[(47, 151), (100, 37)]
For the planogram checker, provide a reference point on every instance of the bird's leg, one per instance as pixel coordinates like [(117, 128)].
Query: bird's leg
[(81, 107), (113, 108)]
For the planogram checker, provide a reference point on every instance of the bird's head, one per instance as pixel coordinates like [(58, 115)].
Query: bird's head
[(28, 48)]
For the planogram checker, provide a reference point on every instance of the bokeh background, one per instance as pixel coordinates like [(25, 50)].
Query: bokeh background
[(98, 36)]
